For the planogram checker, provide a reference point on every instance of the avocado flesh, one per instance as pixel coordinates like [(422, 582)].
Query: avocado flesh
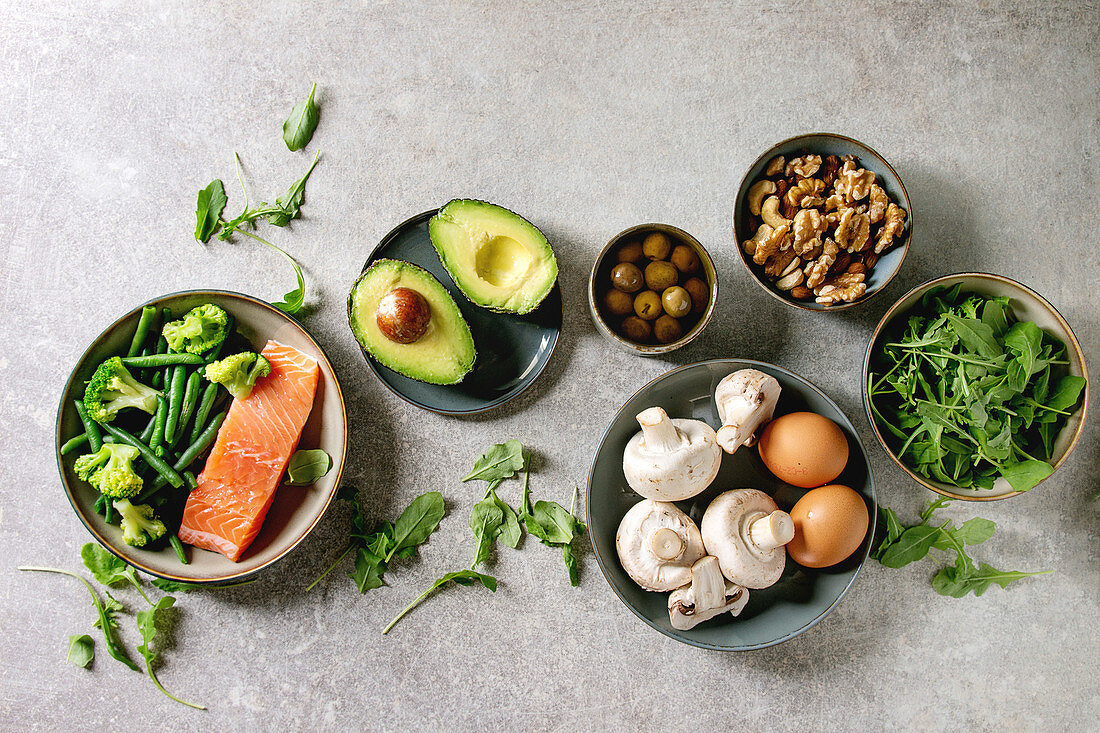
[(498, 259), (443, 355)]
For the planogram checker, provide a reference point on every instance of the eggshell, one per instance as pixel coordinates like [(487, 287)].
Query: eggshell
[(830, 523), (804, 449)]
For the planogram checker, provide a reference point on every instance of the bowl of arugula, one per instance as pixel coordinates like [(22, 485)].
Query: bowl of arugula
[(976, 386)]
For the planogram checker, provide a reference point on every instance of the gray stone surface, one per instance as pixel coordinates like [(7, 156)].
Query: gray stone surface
[(586, 117)]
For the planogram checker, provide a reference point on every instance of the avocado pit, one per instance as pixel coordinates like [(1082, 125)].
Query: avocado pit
[(403, 315)]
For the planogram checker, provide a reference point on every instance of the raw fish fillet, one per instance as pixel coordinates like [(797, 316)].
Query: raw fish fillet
[(235, 489)]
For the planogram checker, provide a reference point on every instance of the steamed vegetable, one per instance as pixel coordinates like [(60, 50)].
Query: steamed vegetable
[(110, 470), (139, 525), (238, 373), (112, 388), (202, 328)]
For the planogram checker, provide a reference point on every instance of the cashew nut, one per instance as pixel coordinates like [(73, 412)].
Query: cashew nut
[(769, 212), (775, 167), (756, 195), (750, 245), (790, 280)]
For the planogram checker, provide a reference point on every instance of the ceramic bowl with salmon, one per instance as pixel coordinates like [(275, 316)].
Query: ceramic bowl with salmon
[(241, 517)]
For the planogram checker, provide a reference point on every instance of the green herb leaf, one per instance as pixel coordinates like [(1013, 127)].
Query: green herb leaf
[(950, 581), (418, 521), (485, 521), (81, 650), (913, 545), (298, 128), (108, 569), (510, 530), (1066, 393), (149, 623), (893, 529), (1024, 475), (460, 577), (289, 205), (975, 335), (208, 210), (499, 462), (571, 565), (368, 570), (306, 467)]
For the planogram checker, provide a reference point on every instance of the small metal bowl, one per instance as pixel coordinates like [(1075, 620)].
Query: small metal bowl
[(824, 143), (600, 279), (1027, 305)]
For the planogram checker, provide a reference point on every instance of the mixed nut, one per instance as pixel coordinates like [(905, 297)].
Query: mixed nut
[(658, 290), (821, 225)]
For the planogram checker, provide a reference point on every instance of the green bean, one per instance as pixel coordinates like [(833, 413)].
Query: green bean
[(91, 428), (175, 402), (190, 480), (148, 313), (205, 405), (147, 433), (160, 418), (99, 505), (187, 457), (166, 472), (160, 360), (162, 343), (190, 400), (108, 511), (73, 443), (178, 547)]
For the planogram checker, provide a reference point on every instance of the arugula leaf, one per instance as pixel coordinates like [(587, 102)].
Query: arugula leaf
[(950, 581), (893, 530), (913, 545), (81, 650), (501, 461), (110, 570), (289, 205), (571, 565), (485, 521), (460, 577), (1024, 475), (975, 335), (418, 521), (147, 624), (1066, 393), (510, 530), (368, 570), (1025, 340), (558, 525), (306, 467), (208, 210), (298, 128), (525, 508)]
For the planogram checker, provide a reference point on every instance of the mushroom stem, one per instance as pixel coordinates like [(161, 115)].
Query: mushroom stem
[(658, 431), (666, 544), (772, 530)]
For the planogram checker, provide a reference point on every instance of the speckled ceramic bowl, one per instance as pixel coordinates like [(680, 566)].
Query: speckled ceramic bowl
[(295, 511), (824, 143), (1027, 305), (600, 278), (802, 597)]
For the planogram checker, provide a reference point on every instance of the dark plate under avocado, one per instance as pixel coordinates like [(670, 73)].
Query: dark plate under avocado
[(512, 350)]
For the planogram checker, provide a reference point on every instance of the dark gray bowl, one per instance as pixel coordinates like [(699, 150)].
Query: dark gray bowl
[(802, 597), (825, 143)]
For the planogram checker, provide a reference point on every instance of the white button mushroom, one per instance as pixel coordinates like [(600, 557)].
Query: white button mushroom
[(657, 545), (709, 595), (746, 400), (670, 460), (746, 531)]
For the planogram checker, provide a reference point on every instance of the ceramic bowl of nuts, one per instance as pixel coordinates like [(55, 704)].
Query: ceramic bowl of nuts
[(822, 221), (652, 289)]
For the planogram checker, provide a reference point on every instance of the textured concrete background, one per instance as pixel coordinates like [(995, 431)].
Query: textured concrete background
[(587, 118)]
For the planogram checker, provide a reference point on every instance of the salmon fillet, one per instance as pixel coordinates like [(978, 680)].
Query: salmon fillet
[(235, 489)]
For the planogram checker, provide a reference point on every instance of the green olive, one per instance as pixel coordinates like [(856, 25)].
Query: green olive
[(685, 259), (667, 329), (618, 302), (656, 246), (700, 294), (630, 252), (647, 305), (660, 275), (627, 278), (676, 301), (636, 329)]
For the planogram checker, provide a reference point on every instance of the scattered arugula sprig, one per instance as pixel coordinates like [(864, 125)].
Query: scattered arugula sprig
[(906, 544), (298, 128), (208, 215), (112, 571), (970, 393)]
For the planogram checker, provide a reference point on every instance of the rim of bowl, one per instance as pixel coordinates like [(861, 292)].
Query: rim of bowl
[(872, 525), (894, 311), (371, 259), (232, 577), (871, 152), (653, 349)]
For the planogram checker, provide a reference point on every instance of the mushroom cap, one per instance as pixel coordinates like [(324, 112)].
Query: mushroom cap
[(635, 544), (725, 529), (745, 400), (673, 475)]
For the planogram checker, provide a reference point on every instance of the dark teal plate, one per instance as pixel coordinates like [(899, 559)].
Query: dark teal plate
[(512, 350), (802, 597)]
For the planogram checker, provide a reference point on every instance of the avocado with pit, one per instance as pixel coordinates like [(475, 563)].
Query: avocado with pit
[(408, 322), (498, 259)]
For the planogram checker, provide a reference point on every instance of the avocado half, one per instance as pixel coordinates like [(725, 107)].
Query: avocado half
[(498, 259), (443, 355)]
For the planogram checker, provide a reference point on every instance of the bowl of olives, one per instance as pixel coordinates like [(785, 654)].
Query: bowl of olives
[(652, 289)]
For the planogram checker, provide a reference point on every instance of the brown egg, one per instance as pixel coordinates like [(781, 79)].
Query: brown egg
[(804, 449), (830, 523)]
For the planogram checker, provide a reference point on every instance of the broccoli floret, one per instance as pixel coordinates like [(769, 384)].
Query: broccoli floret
[(139, 525), (238, 373), (110, 470), (113, 388), (201, 329)]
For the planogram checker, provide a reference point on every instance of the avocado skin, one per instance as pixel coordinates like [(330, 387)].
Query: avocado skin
[(397, 356), (459, 276)]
